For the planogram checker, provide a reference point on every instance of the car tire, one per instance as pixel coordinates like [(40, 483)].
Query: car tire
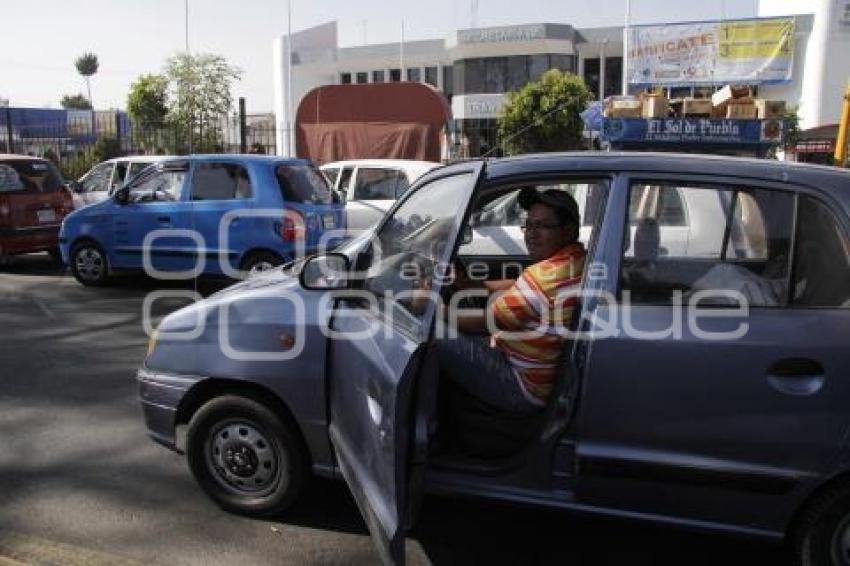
[(89, 264), (257, 262), (822, 535), (55, 256), (245, 457)]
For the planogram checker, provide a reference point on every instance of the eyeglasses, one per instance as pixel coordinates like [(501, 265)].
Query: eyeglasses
[(537, 226)]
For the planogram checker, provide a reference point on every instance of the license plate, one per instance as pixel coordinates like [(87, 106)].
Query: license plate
[(46, 216), (329, 221)]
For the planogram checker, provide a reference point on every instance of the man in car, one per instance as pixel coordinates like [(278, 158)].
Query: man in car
[(512, 366)]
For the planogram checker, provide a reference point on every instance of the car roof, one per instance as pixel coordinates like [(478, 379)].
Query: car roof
[(17, 157), (141, 158), (244, 157), (384, 163), (833, 181)]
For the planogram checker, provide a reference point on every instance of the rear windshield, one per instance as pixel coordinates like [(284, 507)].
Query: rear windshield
[(30, 176), (303, 183)]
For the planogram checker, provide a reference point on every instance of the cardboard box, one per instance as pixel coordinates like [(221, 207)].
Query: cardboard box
[(654, 106), (624, 109), (770, 109), (741, 111), (698, 107), (729, 93)]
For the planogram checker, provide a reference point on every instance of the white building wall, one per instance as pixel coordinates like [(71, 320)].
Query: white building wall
[(822, 60)]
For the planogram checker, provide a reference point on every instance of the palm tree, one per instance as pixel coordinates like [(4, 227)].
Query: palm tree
[(87, 66)]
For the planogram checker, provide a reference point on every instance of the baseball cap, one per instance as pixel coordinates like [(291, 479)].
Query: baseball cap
[(560, 200)]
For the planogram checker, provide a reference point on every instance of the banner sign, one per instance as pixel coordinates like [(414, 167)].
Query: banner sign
[(692, 131), (741, 51)]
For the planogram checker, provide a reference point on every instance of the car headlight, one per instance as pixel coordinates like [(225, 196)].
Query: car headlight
[(152, 342)]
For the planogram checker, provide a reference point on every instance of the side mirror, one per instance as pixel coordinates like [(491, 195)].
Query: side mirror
[(326, 271), (466, 235), (122, 195), (75, 186)]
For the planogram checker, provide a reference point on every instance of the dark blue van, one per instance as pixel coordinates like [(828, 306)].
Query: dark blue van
[(204, 214)]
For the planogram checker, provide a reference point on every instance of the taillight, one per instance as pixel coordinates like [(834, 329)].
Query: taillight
[(292, 228)]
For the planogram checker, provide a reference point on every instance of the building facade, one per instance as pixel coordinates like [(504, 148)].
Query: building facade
[(476, 68)]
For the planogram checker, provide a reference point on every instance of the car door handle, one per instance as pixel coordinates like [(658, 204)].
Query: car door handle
[(796, 376)]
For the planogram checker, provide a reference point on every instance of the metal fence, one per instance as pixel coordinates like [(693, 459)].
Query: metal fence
[(77, 145)]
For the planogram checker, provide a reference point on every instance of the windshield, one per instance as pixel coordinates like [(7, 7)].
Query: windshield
[(304, 184)]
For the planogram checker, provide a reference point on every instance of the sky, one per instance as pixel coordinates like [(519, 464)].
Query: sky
[(40, 39)]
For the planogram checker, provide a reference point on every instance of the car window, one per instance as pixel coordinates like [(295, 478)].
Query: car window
[(136, 168), (411, 244), (30, 176), (332, 173), (98, 179), (220, 181), (735, 240), (345, 180), (506, 211), (303, 183), (119, 175), (664, 203), (374, 183), (402, 184), (821, 258), (158, 185)]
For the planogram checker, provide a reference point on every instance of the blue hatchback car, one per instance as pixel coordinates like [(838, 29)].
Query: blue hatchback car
[(204, 214)]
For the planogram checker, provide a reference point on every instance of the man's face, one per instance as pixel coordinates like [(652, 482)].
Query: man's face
[(544, 234)]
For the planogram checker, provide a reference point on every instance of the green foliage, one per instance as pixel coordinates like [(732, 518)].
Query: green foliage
[(544, 115), (79, 163), (199, 95), (75, 102), (791, 136), (147, 102), (87, 65)]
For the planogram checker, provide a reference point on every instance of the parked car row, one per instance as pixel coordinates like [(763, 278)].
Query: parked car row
[(650, 420)]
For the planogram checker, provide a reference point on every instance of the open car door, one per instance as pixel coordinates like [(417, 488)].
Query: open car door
[(379, 338)]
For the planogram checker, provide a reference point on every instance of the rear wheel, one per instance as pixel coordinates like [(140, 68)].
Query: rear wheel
[(823, 533), (245, 457), (89, 264), (258, 262)]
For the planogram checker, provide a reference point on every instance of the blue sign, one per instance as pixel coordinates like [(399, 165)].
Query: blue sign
[(691, 131)]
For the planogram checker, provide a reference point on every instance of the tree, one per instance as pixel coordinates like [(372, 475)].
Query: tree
[(544, 115), (87, 65), (200, 95), (75, 102), (147, 102)]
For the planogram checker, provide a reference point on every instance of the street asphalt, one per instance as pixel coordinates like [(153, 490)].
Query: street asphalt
[(81, 483)]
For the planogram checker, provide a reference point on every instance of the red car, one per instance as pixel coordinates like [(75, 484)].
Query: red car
[(33, 203)]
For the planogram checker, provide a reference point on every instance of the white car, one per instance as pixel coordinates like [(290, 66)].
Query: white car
[(369, 187), (105, 178)]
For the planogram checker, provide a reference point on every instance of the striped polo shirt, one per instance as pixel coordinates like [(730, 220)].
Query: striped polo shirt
[(532, 315)]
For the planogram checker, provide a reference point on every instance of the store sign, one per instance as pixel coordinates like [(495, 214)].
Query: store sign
[(740, 51), (692, 130), (512, 34), (477, 106)]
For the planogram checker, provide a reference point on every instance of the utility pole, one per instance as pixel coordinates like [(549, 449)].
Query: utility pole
[(290, 106), (186, 34), (626, 38), (843, 132)]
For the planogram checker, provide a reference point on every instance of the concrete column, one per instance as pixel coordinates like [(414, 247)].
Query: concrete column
[(602, 70)]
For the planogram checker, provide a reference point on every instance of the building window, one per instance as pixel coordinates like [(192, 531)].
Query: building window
[(345, 78), (448, 80), (591, 76), (537, 65), (378, 76), (431, 76), (362, 78), (613, 75), (566, 63), (414, 75), (395, 75)]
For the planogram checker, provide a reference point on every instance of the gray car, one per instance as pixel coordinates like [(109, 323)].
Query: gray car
[(706, 383)]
